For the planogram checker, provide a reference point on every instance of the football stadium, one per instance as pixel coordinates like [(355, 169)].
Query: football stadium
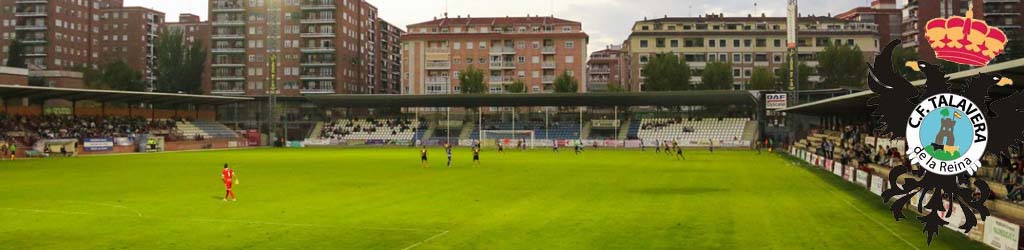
[(318, 124)]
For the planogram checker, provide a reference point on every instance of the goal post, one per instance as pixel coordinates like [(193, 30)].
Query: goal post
[(509, 138)]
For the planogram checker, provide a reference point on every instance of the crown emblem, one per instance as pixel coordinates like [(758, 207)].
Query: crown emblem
[(965, 40)]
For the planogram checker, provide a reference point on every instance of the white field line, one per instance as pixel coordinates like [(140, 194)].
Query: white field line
[(837, 195), (104, 204), (250, 222), (425, 240), (169, 152)]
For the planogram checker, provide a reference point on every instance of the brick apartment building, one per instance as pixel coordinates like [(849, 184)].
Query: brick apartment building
[(884, 13), (609, 67), (917, 13), (320, 47), (389, 59), (129, 34), (193, 30), (745, 42), (534, 49), (1008, 15), (59, 35)]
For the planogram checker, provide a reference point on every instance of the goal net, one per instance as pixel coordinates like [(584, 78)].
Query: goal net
[(508, 138)]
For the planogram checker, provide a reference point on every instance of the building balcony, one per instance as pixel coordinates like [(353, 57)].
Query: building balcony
[(317, 35), (501, 79), (228, 23), (502, 65), (31, 27), (547, 50), (317, 91), (30, 14), (228, 91), (997, 13), (228, 50), (316, 77), (438, 50), (548, 65), (439, 65), (35, 53), (31, 1), (228, 78), (318, 50), (503, 50), (228, 7), (34, 40), (227, 36), (547, 79), (600, 70), (318, 21), (317, 64), (319, 6), (438, 80), (597, 81), (227, 65)]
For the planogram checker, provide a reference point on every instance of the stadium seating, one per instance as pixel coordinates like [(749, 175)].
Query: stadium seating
[(725, 129), (372, 129), (205, 129)]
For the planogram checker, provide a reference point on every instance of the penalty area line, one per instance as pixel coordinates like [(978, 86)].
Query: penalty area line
[(425, 240)]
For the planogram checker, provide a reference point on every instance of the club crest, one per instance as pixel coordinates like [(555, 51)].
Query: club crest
[(947, 135)]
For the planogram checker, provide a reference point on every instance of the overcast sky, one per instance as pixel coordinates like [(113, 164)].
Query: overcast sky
[(606, 21)]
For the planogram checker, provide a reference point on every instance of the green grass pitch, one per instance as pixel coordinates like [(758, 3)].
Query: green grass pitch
[(383, 199)]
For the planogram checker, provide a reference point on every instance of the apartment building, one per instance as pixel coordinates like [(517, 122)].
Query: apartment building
[(884, 13), (129, 34), (58, 35), (317, 47), (389, 59), (607, 68), (1008, 15), (917, 13), (745, 42), (194, 30), (534, 49)]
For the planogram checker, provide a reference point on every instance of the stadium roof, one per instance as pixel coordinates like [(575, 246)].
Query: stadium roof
[(856, 102), (716, 97), (70, 94)]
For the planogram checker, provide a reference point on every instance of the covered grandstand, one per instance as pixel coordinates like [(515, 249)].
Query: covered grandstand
[(42, 121), (838, 135), (603, 119)]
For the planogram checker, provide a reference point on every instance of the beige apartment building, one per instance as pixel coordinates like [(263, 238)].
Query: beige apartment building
[(745, 42), (534, 49)]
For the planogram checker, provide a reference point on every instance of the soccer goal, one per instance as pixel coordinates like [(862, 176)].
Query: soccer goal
[(509, 138)]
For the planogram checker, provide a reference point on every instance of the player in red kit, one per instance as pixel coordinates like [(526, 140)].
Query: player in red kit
[(228, 176)]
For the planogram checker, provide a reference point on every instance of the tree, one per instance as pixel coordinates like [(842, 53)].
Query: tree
[(565, 83), (517, 86), (717, 75), (666, 72), (616, 88), (842, 66), (115, 76), (180, 64), (16, 55), (803, 82), (471, 80), (762, 79)]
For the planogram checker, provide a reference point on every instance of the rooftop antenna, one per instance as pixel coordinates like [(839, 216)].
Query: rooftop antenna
[(690, 13), (755, 8)]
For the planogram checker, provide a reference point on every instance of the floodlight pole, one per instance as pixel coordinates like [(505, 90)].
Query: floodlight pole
[(480, 123), (448, 125)]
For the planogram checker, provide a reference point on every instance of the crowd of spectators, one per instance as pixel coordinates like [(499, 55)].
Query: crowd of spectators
[(33, 128), (853, 148)]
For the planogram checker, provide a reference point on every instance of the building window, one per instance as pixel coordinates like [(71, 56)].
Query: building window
[(761, 42), (674, 43), (736, 43), (736, 57), (659, 42), (778, 43), (643, 43), (711, 43), (643, 59), (570, 44), (736, 72)]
